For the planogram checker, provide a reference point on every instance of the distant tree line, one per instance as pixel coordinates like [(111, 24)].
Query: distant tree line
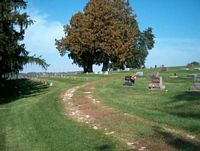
[(13, 23), (195, 63), (107, 33)]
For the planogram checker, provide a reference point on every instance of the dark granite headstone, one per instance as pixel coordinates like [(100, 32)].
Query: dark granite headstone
[(128, 81)]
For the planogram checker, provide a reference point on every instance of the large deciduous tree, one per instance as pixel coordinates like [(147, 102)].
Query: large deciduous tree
[(104, 32), (13, 23)]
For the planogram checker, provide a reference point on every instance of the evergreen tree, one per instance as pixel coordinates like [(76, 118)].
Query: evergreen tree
[(13, 23)]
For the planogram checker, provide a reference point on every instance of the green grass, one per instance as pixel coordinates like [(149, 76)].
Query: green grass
[(175, 107), (32, 115), (32, 118)]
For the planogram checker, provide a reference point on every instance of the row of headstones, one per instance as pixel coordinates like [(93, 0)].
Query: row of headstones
[(101, 73), (157, 82), (47, 83)]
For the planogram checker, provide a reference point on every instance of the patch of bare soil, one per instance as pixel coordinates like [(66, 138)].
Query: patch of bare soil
[(83, 107)]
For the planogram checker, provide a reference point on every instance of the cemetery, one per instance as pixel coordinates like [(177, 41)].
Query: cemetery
[(93, 75), (127, 98), (135, 100)]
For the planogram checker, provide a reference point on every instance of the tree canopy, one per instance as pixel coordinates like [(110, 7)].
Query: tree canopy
[(13, 23), (144, 42), (106, 31)]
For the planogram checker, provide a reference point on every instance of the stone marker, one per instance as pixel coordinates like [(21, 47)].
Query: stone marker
[(197, 69), (128, 81), (127, 69), (163, 69), (139, 74), (184, 69), (191, 75), (196, 84), (156, 82), (51, 84), (173, 76), (106, 73)]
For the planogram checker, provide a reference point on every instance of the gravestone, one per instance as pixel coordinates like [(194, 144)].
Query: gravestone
[(139, 74), (197, 69), (128, 81), (106, 73), (163, 69), (173, 76), (156, 82), (51, 84), (184, 69), (191, 75), (196, 84), (127, 69)]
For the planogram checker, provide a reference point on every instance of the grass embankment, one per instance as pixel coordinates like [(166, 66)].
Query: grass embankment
[(175, 108), (32, 118)]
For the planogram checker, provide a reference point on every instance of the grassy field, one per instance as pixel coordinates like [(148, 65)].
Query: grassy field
[(32, 118), (175, 108), (32, 115)]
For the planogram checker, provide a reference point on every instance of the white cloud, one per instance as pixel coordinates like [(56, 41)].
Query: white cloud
[(40, 40), (40, 37)]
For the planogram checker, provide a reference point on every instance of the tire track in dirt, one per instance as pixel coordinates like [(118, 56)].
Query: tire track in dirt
[(81, 105)]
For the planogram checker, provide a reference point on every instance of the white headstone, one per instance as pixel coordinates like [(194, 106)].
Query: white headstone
[(51, 84), (127, 69), (139, 73), (106, 73), (186, 69)]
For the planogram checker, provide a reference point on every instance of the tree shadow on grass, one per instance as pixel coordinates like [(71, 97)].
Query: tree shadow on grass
[(11, 90), (104, 147), (187, 96), (181, 103), (178, 143), (185, 114)]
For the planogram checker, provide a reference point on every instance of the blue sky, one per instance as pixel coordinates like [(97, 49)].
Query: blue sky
[(175, 23)]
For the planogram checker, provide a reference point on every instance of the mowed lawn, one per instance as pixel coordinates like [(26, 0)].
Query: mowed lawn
[(32, 114), (175, 107), (32, 119)]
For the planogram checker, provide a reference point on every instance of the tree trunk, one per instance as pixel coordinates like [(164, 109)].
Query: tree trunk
[(88, 67), (84, 68), (105, 66)]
